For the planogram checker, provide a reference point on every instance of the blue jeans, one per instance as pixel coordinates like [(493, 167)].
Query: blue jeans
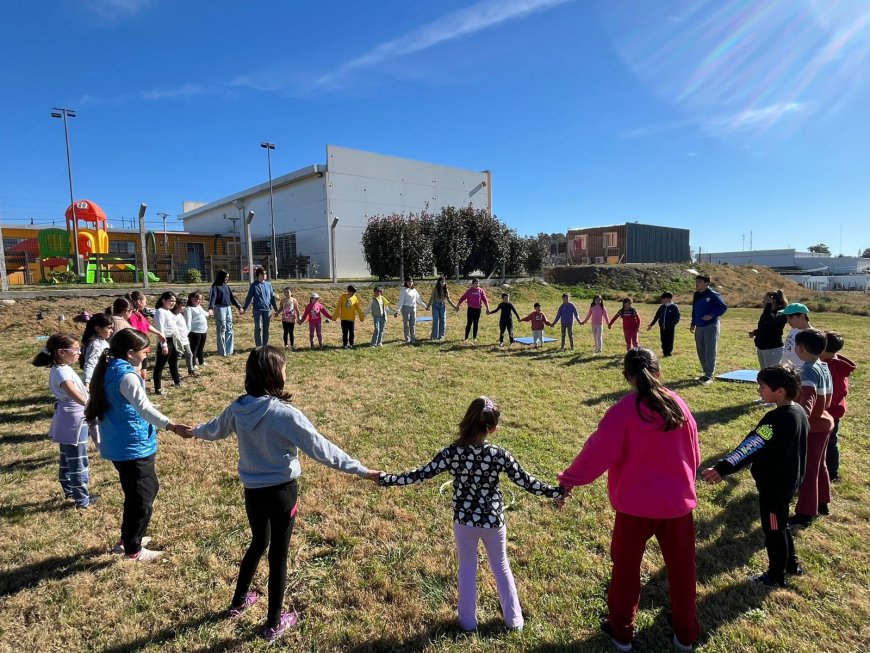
[(74, 474), (261, 321), (832, 455), (223, 317), (378, 334), (439, 320)]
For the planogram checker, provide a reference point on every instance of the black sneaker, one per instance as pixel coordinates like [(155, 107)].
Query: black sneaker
[(798, 520), (793, 568), (766, 580), (823, 509), (619, 646)]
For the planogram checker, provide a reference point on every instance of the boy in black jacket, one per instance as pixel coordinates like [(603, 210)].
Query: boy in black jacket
[(777, 450), (668, 316)]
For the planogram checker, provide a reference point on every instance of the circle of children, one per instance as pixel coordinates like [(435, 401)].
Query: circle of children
[(647, 442)]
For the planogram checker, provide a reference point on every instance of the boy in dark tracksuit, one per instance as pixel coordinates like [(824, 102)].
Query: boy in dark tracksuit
[(777, 450), (668, 316), (505, 321)]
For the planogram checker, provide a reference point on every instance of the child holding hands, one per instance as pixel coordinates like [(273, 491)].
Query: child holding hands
[(478, 506), (630, 323), (777, 450), (648, 445), (598, 314), (539, 321)]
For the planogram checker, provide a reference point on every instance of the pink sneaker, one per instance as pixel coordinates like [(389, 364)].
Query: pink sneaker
[(288, 620), (250, 599)]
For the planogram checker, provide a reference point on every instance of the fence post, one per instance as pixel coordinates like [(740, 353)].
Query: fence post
[(4, 280)]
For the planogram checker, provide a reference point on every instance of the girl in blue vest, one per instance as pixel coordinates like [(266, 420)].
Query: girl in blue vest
[(128, 435)]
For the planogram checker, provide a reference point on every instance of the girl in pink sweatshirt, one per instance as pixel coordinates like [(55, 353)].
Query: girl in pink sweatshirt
[(598, 314), (476, 298), (648, 445)]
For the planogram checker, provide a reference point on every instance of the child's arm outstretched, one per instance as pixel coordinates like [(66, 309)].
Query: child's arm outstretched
[(216, 429), (434, 467), (745, 453), (514, 471)]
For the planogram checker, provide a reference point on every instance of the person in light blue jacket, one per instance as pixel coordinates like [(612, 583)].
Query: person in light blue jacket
[(263, 297), (270, 434), (128, 424)]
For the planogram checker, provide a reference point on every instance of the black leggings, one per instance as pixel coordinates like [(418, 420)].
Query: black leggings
[(197, 345), (172, 358), (140, 485), (347, 332), (506, 325), (472, 319), (271, 514), (288, 332)]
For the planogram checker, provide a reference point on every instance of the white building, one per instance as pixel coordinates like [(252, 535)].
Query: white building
[(352, 186), (791, 259), (856, 282)]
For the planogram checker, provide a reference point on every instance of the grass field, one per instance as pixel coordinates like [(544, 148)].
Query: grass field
[(374, 570)]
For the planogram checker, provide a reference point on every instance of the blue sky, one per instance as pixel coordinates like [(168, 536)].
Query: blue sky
[(723, 116)]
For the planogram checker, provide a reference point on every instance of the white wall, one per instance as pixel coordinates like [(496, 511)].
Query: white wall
[(362, 184)]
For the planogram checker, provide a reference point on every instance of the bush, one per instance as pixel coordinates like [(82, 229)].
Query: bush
[(65, 276), (193, 276)]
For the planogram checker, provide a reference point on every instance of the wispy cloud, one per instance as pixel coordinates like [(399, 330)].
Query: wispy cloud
[(185, 91), (113, 11), (462, 23)]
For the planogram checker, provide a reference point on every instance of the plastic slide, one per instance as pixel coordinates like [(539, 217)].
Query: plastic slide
[(132, 268), (91, 275)]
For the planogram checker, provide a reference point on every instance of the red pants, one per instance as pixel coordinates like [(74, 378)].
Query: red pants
[(630, 338), (816, 487), (676, 538)]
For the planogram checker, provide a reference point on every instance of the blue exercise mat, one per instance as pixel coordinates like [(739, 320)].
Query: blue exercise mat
[(424, 318), (740, 376), (528, 340)]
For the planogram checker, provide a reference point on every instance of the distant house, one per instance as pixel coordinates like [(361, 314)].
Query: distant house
[(628, 243)]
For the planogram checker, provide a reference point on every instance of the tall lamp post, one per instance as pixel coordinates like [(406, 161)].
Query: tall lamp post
[(269, 147), (332, 238), (248, 220), (66, 114)]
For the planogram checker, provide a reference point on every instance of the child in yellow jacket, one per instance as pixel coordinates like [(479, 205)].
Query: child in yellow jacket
[(346, 311)]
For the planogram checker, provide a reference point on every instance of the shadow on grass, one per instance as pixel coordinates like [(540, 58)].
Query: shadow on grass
[(442, 631), (22, 438), (20, 510), (724, 415), (167, 635), (20, 402), (29, 415), (57, 568), (28, 464)]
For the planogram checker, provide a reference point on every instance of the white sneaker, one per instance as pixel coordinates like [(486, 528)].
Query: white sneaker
[(145, 555), (119, 546), (680, 646)]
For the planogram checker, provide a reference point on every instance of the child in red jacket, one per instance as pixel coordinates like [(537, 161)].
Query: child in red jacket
[(648, 445), (840, 368), (630, 323)]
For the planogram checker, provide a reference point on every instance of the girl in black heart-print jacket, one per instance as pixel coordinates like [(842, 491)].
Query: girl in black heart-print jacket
[(478, 506)]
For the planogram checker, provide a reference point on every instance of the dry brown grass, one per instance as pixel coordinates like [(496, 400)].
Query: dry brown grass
[(374, 570)]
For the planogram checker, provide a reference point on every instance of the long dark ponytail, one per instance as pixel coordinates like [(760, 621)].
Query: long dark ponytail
[(120, 344), (47, 356), (98, 320), (480, 418), (642, 366)]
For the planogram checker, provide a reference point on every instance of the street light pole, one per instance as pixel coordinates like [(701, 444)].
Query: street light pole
[(165, 237), (248, 220), (269, 147), (66, 114), (332, 238)]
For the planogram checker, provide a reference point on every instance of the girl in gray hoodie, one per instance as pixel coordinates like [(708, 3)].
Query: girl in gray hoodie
[(270, 434)]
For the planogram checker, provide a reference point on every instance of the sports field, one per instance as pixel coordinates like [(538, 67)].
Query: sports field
[(374, 569)]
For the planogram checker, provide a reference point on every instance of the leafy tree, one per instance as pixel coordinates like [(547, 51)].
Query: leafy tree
[(381, 242), (451, 245), (537, 249), (866, 253), (821, 248), (416, 245)]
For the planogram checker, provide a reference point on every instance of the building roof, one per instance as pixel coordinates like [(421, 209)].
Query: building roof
[(284, 180), (623, 224)]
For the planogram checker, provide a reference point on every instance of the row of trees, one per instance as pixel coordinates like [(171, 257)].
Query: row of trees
[(821, 248), (454, 242)]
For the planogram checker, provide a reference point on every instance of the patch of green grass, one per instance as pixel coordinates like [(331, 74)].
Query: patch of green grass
[(374, 570)]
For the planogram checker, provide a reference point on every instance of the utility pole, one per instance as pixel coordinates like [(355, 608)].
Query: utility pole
[(235, 221), (165, 237), (269, 147)]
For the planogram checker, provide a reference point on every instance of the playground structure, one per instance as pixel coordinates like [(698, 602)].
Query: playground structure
[(93, 235)]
